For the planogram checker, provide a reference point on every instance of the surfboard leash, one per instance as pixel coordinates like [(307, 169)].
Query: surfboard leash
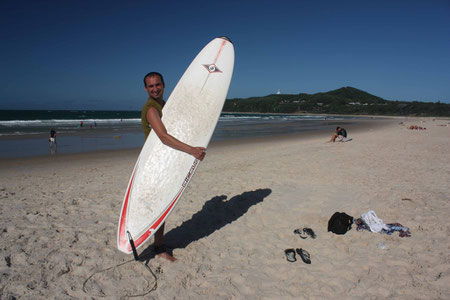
[(155, 286), (133, 247)]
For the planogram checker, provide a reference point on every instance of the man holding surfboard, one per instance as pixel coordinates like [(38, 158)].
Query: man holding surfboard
[(167, 162), (151, 120)]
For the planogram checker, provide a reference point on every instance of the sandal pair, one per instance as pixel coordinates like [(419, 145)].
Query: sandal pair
[(304, 255), (304, 234)]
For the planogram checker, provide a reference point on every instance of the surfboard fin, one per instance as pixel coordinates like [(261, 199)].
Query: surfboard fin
[(130, 239)]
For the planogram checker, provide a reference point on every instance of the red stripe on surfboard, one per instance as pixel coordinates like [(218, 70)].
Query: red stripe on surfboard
[(146, 234), (122, 239), (157, 223), (220, 51)]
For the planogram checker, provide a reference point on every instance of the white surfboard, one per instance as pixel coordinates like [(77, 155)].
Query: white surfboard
[(161, 173)]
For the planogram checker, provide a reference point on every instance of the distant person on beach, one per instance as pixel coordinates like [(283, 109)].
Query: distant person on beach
[(415, 127), (52, 139), (151, 119), (340, 134)]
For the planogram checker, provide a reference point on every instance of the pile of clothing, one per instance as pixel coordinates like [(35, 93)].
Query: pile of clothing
[(370, 221)]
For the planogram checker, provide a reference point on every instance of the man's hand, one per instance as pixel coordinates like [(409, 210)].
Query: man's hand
[(198, 152)]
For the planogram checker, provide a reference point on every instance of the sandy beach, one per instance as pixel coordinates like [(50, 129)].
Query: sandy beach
[(59, 219)]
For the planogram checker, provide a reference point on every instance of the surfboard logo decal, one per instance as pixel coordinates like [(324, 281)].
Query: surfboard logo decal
[(212, 68), (190, 173)]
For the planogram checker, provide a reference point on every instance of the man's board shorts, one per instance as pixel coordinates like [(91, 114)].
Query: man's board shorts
[(52, 140)]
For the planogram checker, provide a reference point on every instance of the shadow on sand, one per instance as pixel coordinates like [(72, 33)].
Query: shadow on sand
[(215, 214)]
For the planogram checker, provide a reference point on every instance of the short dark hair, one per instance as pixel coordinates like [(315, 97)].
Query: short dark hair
[(151, 74), (337, 128)]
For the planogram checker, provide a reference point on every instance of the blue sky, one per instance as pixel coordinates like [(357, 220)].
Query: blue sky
[(93, 54)]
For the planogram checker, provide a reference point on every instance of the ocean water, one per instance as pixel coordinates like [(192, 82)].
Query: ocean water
[(25, 133)]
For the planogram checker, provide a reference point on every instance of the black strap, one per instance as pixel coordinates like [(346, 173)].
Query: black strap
[(130, 239)]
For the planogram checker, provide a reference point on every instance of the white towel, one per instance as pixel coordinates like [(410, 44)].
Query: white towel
[(375, 224)]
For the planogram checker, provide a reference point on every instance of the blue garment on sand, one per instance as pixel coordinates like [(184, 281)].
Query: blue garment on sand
[(392, 227)]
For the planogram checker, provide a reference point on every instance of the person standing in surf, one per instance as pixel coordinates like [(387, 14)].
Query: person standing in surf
[(52, 140), (151, 120)]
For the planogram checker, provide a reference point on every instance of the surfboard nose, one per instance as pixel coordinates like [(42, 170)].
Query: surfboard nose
[(225, 38)]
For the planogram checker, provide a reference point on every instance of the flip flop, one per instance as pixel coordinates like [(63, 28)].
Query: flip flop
[(309, 232), (304, 255), (290, 255), (300, 233)]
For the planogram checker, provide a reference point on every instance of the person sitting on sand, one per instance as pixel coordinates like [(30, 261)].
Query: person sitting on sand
[(151, 120), (52, 139), (415, 127), (340, 134)]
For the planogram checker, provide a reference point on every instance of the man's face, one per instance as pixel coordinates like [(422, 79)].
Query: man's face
[(154, 87)]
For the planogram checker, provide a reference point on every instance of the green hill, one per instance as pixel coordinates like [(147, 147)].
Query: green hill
[(346, 100)]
